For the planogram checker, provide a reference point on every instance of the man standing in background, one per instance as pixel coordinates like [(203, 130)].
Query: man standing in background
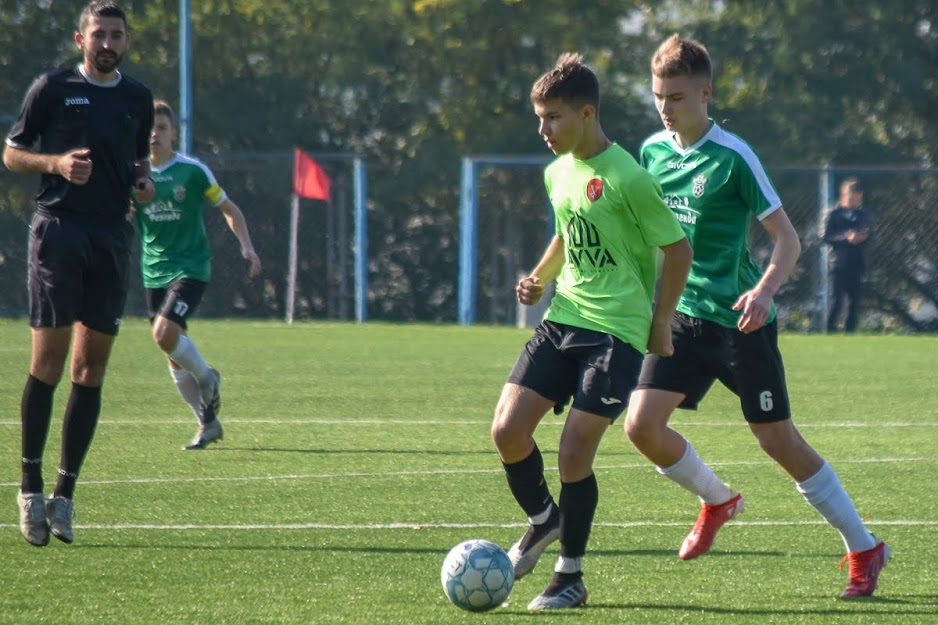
[(847, 230)]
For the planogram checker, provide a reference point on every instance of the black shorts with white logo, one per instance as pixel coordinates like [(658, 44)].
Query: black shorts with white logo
[(177, 302), (78, 271), (597, 370), (750, 365)]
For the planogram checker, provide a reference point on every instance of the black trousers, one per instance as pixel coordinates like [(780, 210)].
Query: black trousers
[(846, 289)]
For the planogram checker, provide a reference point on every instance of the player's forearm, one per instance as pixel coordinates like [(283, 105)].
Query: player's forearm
[(237, 224), (548, 268), (25, 162), (674, 271), (784, 257)]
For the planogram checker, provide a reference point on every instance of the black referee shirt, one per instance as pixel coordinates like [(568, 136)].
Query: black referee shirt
[(66, 111)]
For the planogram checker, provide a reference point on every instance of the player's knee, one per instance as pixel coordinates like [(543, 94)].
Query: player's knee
[(87, 373), (508, 436), (503, 435), (640, 433), (776, 440), (165, 336)]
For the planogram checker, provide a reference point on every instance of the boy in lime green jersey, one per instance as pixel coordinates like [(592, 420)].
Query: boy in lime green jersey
[(177, 265), (725, 327), (610, 222)]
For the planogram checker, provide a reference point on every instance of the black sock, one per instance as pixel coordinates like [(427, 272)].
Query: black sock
[(527, 483), (81, 417), (559, 581), (578, 501), (36, 414)]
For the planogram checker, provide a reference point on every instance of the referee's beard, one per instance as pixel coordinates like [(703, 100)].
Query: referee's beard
[(106, 61)]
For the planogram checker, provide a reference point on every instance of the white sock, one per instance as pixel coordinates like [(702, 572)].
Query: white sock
[(826, 495), (541, 518), (188, 387), (691, 473), (568, 565), (187, 356)]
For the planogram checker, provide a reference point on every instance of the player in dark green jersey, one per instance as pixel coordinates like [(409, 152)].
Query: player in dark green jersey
[(176, 264), (725, 327), (610, 222)]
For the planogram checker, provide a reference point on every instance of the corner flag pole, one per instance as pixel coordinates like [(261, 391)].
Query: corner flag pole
[(291, 269)]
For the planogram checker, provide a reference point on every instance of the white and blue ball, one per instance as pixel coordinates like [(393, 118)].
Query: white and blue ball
[(477, 575)]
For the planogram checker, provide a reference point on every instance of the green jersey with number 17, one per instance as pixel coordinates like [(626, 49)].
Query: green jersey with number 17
[(611, 217), (714, 187), (172, 227)]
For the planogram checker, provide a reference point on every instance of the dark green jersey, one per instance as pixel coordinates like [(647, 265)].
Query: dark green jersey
[(611, 217), (172, 227), (715, 187)]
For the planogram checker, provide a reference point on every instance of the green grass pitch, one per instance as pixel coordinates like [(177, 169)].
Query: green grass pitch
[(356, 456)]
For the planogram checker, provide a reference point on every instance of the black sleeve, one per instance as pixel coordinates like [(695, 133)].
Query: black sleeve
[(146, 128), (34, 116)]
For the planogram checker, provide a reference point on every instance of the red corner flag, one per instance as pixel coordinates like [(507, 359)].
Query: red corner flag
[(309, 179)]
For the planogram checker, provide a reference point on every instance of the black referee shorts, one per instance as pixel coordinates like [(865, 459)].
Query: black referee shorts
[(78, 271)]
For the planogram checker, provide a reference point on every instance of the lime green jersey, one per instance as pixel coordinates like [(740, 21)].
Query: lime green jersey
[(172, 227), (612, 218), (715, 187)]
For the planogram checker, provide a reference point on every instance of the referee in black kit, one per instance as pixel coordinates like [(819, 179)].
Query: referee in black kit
[(93, 129)]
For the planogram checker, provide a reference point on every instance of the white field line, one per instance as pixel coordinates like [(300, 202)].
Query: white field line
[(425, 526), (430, 472), (355, 421)]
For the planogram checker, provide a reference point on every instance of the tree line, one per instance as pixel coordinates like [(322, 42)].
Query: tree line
[(415, 85)]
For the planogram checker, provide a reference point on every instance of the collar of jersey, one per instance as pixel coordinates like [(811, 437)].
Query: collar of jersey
[(172, 161), (714, 129), (98, 83)]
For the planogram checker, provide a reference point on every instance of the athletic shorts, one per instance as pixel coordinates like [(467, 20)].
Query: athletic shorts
[(78, 271), (177, 302), (597, 370), (750, 365)]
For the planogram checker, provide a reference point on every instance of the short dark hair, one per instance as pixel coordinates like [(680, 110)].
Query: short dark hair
[(162, 107), (570, 81), (100, 8), (851, 185)]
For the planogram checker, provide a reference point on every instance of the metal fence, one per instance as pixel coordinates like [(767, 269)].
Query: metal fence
[(901, 289), (514, 223), (261, 185)]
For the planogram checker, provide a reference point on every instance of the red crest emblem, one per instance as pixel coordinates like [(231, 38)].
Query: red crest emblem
[(594, 189)]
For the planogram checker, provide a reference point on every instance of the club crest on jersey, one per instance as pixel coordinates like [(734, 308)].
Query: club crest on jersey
[(179, 193), (594, 189), (699, 183)]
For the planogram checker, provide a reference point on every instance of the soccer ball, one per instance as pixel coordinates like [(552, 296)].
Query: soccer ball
[(477, 575)]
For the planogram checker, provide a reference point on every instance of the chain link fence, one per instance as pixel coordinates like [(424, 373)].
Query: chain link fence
[(901, 290), (901, 293), (260, 184)]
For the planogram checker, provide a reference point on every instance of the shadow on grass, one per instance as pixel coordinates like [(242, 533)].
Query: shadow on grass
[(672, 553), (288, 548), (913, 605), (868, 605), (652, 553), (333, 450), (428, 451)]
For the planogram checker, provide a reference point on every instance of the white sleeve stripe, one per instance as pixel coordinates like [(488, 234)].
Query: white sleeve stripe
[(767, 212), (762, 179)]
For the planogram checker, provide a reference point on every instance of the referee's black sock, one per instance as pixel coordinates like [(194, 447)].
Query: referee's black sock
[(36, 414), (81, 417)]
